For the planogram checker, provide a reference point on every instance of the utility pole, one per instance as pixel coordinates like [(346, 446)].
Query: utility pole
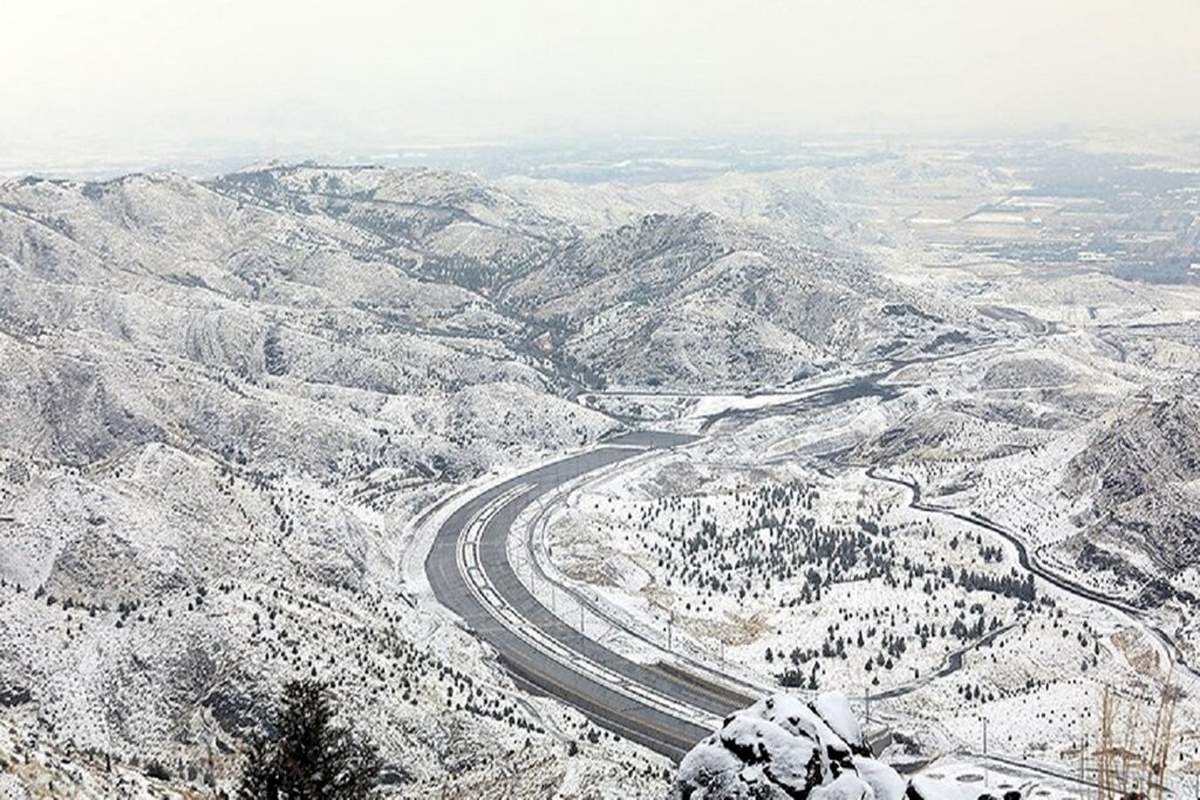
[(985, 769), (670, 619), (581, 616), (867, 697)]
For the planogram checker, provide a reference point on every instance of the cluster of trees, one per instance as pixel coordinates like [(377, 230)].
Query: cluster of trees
[(779, 541), (1011, 585)]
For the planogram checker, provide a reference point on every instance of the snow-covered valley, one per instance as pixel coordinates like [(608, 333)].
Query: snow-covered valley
[(951, 481)]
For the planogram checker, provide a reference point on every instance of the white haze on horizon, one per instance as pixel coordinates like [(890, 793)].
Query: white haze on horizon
[(142, 74)]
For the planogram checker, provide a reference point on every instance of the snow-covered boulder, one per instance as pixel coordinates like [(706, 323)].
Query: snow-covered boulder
[(782, 747)]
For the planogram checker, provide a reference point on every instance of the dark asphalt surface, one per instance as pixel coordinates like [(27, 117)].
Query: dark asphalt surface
[(872, 385), (660, 731)]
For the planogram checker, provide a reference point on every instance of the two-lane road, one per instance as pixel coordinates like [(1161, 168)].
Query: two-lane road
[(1029, 563)]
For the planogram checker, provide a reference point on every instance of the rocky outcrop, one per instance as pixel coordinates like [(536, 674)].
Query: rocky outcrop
[(1139, 479), (782, 748)]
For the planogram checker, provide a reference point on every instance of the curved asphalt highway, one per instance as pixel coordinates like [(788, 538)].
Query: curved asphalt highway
[(668, 733), (644, 718)]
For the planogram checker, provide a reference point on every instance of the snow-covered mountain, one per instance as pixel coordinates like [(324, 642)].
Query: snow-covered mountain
[(218, 418), (224, 403), (691, 300), (1140, 474)]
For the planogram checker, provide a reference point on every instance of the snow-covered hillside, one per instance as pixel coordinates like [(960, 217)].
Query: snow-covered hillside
[(226, 402)]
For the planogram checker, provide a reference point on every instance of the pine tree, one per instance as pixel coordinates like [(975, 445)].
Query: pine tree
[(308, 757)]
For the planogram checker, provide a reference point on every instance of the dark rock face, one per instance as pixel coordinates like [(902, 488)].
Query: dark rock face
[(12, 696), (1138, 472)]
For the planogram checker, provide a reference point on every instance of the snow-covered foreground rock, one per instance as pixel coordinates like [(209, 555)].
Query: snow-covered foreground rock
[(784, 748)]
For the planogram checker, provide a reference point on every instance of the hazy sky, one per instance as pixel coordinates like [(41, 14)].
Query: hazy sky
[(179, 72)]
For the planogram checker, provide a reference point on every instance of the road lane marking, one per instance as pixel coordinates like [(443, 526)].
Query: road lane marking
[(525, 630)]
